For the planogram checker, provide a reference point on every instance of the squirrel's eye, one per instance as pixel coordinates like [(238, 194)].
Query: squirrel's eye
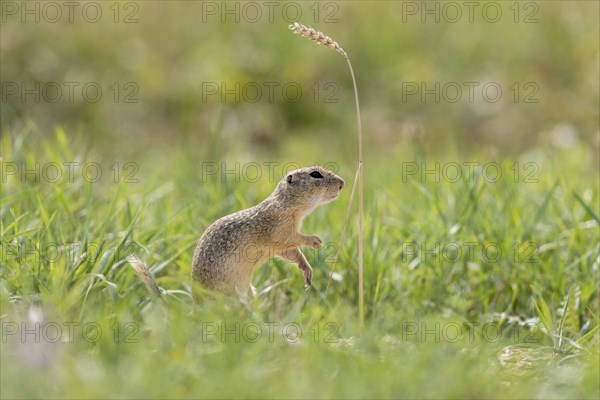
[(316, 174)]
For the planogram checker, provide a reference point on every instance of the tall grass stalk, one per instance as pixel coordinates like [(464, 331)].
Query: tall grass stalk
[(328, 42)]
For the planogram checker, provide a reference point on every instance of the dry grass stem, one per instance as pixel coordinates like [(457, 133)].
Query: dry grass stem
[(328, 42), (339, 248)]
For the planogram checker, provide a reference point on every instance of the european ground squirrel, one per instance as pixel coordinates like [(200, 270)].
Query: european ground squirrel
[(233, 247)]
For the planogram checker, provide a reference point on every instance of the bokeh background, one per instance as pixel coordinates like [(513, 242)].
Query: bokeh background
[(178, 87), (169, 58)]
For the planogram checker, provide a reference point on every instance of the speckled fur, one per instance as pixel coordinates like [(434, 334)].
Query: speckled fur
[(233, 247)]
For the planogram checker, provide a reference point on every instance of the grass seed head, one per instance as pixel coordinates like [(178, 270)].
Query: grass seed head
[(318, 37)]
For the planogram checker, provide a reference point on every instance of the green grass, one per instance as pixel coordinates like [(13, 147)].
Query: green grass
[(473, 289), (521, 322)]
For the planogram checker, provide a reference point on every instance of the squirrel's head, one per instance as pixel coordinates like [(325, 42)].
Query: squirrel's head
[(309, 187)]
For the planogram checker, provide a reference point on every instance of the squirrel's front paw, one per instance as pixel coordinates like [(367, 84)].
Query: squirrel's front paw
[(313, 241), (307, 277)]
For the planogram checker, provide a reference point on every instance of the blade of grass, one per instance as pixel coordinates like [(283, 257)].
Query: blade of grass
[(587, 208)]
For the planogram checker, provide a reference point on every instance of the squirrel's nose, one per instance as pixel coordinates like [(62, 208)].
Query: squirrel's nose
[(342, 184)]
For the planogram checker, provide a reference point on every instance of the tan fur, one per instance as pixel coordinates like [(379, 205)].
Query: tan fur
[(233, 247)]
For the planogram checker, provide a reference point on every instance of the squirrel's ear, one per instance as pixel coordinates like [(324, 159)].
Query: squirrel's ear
[(289, 179)]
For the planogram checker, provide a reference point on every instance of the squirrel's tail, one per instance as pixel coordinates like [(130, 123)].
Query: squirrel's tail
[(144, 273)]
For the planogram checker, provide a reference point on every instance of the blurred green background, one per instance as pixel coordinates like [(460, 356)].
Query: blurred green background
[(189, 84), (172, 56)]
